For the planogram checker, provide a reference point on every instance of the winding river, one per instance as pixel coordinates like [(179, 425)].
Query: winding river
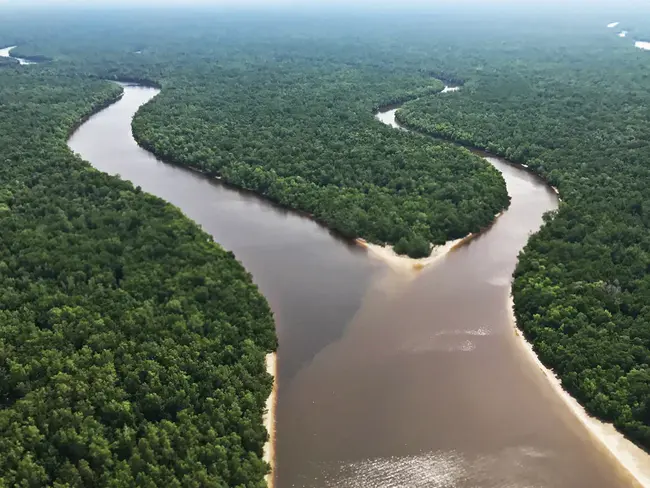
[(6, 53), (385, 378)]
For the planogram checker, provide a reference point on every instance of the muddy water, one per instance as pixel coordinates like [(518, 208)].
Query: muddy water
[(386, 379), (279, 248)]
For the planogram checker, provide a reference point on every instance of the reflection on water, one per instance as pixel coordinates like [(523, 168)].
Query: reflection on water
[(642, 45), (441, 469)]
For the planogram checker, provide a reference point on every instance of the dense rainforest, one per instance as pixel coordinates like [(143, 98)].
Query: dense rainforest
[(582, 285), (263, 112), (303, 135), (117, 365), (132, 347)]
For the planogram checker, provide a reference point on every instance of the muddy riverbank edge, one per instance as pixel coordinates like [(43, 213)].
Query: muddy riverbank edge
[(401, 262)]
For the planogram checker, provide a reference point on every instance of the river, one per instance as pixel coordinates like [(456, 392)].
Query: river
[(385, 378), (6, 53)]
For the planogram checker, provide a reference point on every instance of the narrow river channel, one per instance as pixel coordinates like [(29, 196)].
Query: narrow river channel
[(6, 53), (386, 379)]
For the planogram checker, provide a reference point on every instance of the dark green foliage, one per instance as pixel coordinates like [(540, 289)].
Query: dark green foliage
[(284, 107), (314, 146), (415, 246), (255, 103), (131, 346), (6, 62), (582, 286)]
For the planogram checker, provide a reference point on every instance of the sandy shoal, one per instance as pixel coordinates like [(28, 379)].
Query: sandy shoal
[(399, 262), (269, 417)]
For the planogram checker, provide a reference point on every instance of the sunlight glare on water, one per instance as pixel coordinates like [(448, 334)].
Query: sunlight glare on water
[(442, 470)]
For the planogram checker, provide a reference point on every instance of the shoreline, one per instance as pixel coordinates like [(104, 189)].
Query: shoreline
[(5, 52), (628, 456), (398, 262), (631, 458), (269, 417), (401, 262)]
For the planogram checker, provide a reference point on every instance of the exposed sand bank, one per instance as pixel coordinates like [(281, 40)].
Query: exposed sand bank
[(404, 263), (633, 459), (269, 417), (400, 262), (386, 253)]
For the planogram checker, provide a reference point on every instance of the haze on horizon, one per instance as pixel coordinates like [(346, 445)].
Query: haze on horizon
[(603, 10), (322, 3)]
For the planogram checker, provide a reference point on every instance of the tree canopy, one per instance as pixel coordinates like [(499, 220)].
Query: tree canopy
[(582, 284), (292, 119), (132, 347)]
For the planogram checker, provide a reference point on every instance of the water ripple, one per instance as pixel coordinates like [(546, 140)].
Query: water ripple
[(512, 468)]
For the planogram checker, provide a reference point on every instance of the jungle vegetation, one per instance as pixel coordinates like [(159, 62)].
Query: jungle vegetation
[(132, 347), (117, 366), (582, 286), (249, 101)]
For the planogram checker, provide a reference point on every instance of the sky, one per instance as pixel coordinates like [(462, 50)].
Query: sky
[(605, 5), (234, 3), (368, 3), (199, 2)]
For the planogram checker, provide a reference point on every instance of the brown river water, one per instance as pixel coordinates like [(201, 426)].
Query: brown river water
[(385, 378)]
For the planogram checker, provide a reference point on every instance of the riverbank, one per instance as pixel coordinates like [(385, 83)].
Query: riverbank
[(401, 262), (169, 184), (269, 416), (630, 457), (398, 262), (6, 53), (129, 153)]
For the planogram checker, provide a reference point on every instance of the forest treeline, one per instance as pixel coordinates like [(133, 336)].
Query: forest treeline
[(293, 121), (132, 347), (582, 285), (118, 365), (314, 146)]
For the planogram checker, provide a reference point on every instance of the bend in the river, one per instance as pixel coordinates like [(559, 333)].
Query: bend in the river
[(384, 381), (631, 458), (6, 53)]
